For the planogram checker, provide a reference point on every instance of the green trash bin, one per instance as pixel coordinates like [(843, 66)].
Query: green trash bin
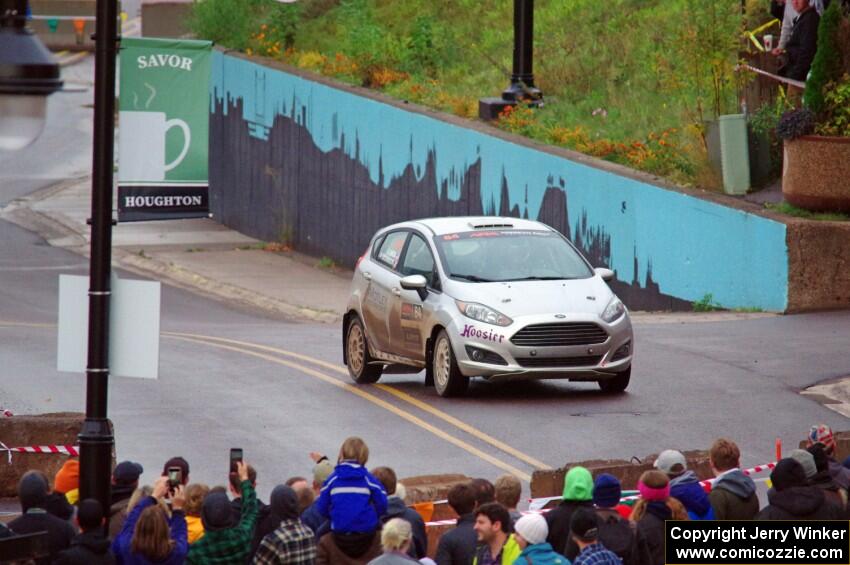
[(728, 149)]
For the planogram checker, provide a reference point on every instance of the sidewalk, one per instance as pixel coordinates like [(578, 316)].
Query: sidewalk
[(199, 255)]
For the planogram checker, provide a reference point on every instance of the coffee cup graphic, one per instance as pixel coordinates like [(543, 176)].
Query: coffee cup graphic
[(141, 155)]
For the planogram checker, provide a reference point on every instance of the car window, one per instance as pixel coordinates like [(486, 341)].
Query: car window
[(510, 255), (390, 250), (418, 260)]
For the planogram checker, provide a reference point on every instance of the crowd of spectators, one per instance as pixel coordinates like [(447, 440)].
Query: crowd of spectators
[(349, 515)]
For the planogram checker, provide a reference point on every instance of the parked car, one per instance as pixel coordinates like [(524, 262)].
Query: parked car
[(500, 298)]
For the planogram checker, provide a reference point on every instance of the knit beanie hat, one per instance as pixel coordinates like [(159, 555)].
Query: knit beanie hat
[(807, 460), (787, 474), (533, 528), (32, 490), (822, 434), (606, 491), (68, 477), (216, 512), (578, 484)]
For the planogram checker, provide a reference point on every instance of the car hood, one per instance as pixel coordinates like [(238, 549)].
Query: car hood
[(530, 298)]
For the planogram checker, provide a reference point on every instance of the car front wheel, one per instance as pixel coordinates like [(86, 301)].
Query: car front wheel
[(448, 380), (617, 383), (357, 355)]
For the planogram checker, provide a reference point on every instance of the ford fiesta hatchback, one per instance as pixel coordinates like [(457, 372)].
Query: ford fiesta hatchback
[(498, 298)]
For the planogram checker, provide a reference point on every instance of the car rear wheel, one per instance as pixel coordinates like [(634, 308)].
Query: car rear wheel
[(617, 383), (357, 355), (448, 380)]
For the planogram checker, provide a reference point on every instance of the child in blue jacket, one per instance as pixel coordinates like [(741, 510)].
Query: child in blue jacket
[(351, 497)]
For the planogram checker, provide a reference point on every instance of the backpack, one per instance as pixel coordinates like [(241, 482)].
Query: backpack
[(618, 535)]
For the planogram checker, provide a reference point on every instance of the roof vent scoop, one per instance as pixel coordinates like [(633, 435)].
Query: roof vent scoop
[(488, 226)]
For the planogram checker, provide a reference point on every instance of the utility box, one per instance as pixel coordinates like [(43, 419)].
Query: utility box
[(64, 24), (728, 151)]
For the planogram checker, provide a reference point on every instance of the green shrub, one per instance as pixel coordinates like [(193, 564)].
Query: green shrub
[(826, 67), (227, 22), (835, 119)]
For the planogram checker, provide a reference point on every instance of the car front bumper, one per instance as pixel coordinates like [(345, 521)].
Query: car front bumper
[(588, 362)]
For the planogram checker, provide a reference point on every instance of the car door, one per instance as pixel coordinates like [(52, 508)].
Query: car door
[(408, 312), (382, 276)]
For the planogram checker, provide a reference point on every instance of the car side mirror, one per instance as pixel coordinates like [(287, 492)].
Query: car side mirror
[(606, 274), (417, 283)]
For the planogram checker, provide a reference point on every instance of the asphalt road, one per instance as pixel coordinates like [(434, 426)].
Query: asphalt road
[(237, 378)]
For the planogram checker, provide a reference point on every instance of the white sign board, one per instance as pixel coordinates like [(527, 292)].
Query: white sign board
[(133, 327)]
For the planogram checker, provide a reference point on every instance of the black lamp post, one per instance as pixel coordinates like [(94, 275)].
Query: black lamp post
[(28, 74), (521, 89), (96, 440)]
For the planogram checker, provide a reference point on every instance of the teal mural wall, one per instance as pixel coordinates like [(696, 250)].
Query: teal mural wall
[(289, 155)]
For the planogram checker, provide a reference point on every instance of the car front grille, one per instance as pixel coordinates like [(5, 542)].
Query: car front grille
[(556, 362), (560, 334)]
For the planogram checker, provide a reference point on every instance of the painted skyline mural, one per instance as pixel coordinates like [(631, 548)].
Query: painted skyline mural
[(297, 160)]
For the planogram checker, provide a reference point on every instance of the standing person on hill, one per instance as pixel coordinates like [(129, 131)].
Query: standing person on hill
[(497, 546), (396, 508), (530, 532), (803, 44), (354, 501), (733, 495), (684, 484), (578, 493), (457, 546), (654, 507), (90, 547), (149, 536), (224, 542)]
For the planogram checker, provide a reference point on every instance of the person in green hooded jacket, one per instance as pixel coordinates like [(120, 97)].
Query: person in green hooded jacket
[(578, 493)]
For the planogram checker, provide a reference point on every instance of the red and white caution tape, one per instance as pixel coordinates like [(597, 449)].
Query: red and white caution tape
[(72, 450), (536, 504), (777, 78)]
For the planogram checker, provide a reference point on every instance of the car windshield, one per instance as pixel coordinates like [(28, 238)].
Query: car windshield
[(510, 255)]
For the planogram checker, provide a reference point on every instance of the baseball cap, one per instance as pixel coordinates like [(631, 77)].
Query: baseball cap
[(127, 472), (671, 462)]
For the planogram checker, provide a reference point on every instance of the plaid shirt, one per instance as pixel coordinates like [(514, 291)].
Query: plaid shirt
[(232, 545), (292, 543), (596, 554)]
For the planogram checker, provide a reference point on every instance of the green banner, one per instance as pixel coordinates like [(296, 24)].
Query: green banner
[(163, 128)]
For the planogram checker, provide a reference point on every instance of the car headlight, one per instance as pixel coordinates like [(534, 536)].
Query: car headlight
[(483, 313), (614, 310)]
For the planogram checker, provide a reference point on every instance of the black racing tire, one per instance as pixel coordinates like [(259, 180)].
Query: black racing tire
[(617, 384), (448, 380), (357, 357)]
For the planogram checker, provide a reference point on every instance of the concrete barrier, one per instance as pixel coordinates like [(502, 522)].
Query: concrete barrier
[(819, 265), (24, 431), (551, 482)]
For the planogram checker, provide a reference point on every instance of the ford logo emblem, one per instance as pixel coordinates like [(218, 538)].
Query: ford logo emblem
[(560, 316)]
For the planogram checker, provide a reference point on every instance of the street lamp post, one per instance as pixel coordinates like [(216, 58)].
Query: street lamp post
[(96, 440), (521, 89), (28, 74)]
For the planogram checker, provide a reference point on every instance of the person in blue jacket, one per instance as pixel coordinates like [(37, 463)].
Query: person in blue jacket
[(149, 536), (685, 485), (352, 498)]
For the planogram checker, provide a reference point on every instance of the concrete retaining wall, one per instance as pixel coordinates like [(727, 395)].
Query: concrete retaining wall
[(819, 265), (320, 165)]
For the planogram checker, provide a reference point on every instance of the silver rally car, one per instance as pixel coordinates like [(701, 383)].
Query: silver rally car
[(499, 298)]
